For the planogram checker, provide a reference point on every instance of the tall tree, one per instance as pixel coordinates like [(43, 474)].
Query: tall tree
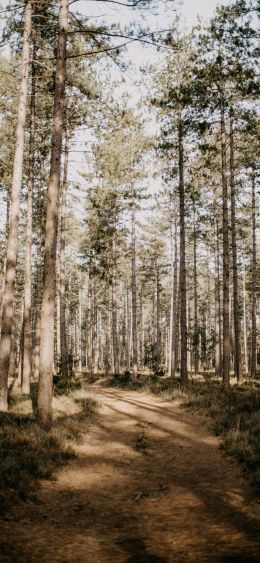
[(27, 328), (49, 273), (12, 241)]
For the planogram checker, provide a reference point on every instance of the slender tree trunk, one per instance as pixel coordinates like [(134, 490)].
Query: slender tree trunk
[(48, 296), (94, 330), (80, 329), (158, 320), (141, 331), (63, 334), (178, 315), (236, 314), (114, 329), (209, 314), (245, 323), (188, 339), (13, 350), (27, 353), (183, 295), (20, 355), (134, 297), (174, 308), (6, 239), (124, 338), (226, 334), (12, 241), (88, 330), (38, 300), (195, 298), (253, 328), (128, 329), (218, 349)]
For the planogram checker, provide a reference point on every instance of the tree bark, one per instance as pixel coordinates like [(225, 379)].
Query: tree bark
[(48, 296), (226, 335), (218, 348), (12, 242), (141, 361), (195, 299), (245, 323), (38, 301), (158, 320), (174, 308), (253, 289), (6, 239), (114, 329), (236, 314), (27, 352), (134, 296), (80, 329), (183, 295), (63, 334)]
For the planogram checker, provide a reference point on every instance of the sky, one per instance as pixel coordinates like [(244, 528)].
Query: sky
[(204, 8), (188, 9), (137, 54), (160, 17)]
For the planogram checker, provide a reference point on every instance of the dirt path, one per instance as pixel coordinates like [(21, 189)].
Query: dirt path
[(149, 484)]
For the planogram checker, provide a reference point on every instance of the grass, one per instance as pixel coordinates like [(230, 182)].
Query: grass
[(28, 453), (233, 414)]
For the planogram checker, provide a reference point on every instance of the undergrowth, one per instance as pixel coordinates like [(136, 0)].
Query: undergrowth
[(28, 453), (233, 414)]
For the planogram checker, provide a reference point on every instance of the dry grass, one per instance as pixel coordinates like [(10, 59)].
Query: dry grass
[(233, 414), (27, 452)]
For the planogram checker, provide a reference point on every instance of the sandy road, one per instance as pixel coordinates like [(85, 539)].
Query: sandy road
[(148, 484)]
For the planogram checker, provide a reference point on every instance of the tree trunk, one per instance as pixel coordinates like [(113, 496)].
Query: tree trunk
[(183, 296), (124, 340), (128, 328), (63, 334), (226, 335), (253, 320), (141, 331), (80, 329), (27, 352), (158, 321), (195, 298), (12, 242), (218, 348), (174, 308), (188, 339), (48, 296), (6, 239), (134, 298), (114, 330), (38, 301), (245, 323), (236, 313)]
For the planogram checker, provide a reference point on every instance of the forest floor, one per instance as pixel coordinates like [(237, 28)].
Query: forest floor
[(148, 484)]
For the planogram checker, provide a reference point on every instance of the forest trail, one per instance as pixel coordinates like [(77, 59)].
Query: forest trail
[(148, 484)]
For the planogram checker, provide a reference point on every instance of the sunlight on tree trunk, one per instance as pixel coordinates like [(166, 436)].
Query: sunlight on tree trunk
[(49, 273), (12, 242)]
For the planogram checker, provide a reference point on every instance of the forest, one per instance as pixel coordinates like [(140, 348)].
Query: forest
[(130, 263)]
